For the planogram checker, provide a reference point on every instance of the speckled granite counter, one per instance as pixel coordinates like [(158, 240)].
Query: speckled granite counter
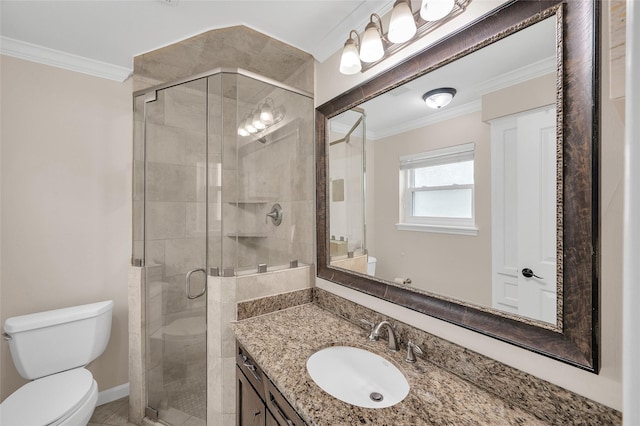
[(282, 341)]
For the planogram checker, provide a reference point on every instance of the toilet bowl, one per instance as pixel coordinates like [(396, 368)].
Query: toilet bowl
[(52, 348), (66, 398)]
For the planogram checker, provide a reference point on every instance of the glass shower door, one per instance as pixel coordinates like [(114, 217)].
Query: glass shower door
[(347, 159), (175, 251)]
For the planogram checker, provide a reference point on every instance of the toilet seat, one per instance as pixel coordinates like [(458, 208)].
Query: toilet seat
[(49, 400)]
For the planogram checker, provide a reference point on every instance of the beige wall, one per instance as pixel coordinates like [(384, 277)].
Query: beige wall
[(520, 97), (66, 197), (441, 263), (605, 387)]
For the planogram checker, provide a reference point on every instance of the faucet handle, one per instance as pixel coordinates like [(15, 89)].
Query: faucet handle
[(411, 347), (371, 325)]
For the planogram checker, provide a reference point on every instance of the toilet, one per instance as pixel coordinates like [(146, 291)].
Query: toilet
[(52, 348)]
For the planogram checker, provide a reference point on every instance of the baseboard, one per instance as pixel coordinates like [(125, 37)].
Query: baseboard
[(109, 395)]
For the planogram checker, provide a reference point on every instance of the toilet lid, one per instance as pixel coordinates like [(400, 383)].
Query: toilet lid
[(43, 401)]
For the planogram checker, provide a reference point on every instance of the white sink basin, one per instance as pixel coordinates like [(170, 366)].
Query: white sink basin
[(358, 377)]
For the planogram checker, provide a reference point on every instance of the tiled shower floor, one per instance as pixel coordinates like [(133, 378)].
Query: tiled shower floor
[(189, 395)]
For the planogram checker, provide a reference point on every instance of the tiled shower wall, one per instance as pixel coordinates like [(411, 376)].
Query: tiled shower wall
[(234, 47)]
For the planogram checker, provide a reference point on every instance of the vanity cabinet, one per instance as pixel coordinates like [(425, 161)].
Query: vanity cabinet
[(258, 401), (249, 405)]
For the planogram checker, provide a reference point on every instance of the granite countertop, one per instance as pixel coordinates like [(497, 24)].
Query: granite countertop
[(281, 342)]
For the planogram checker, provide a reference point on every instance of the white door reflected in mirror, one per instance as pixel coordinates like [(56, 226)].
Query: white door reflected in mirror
[(523, 171)]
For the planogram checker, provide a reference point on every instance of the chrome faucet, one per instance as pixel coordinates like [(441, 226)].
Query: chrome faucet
[(375, 334)]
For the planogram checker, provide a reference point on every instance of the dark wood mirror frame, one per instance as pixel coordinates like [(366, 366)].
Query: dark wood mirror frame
[(578, 89)]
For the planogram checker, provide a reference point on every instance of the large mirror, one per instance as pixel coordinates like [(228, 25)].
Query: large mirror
[(480, 212)]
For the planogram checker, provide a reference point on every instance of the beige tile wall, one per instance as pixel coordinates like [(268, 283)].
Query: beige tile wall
[(235, 47)]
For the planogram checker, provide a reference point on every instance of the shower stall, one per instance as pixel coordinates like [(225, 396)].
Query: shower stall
[(222, 187), (347, 173)]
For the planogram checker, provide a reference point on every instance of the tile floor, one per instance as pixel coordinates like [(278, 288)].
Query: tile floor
[(114, 413)]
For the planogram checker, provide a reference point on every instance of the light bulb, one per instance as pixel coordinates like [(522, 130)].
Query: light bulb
[(434, 10), (350, 60), (242, 131), (259, 125), (439, 100), (371, 49), (266, 114), (248, 125), (402, 26)]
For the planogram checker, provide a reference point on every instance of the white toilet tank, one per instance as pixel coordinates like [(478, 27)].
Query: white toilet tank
[(49, 342)]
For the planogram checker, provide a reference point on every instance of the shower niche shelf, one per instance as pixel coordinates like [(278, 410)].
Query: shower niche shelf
[(246, 235), (252, 201)]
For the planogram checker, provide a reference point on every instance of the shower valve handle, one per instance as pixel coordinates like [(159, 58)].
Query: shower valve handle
[(276, 214)]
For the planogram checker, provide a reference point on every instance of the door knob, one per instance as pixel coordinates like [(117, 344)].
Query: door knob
[(528, 273)]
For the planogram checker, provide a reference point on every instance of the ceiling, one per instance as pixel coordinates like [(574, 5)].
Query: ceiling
[(113, 31)]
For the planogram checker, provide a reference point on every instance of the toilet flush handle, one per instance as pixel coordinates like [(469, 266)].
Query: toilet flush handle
[(6, 337)]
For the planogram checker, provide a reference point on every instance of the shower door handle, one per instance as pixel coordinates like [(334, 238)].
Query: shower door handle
[(187, 284)]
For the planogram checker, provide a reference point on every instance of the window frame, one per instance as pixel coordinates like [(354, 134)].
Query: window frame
[(441, 156)]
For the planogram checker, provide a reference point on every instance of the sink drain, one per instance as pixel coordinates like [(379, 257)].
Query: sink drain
[(375, 396)]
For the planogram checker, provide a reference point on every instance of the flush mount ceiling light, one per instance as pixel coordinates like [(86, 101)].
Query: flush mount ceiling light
[(404, 27), (438, 98), (434, 10)]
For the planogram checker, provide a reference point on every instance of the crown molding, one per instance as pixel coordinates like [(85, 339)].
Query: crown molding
[(520, 75), (427, 120), (55, 58)]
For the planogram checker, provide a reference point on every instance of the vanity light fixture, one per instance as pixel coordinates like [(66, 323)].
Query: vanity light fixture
[(260, 119), (438, 98), (405, 26)]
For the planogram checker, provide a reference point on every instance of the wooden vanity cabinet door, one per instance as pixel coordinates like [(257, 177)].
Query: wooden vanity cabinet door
[(250, 409), (280, 408), (271, 421)]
